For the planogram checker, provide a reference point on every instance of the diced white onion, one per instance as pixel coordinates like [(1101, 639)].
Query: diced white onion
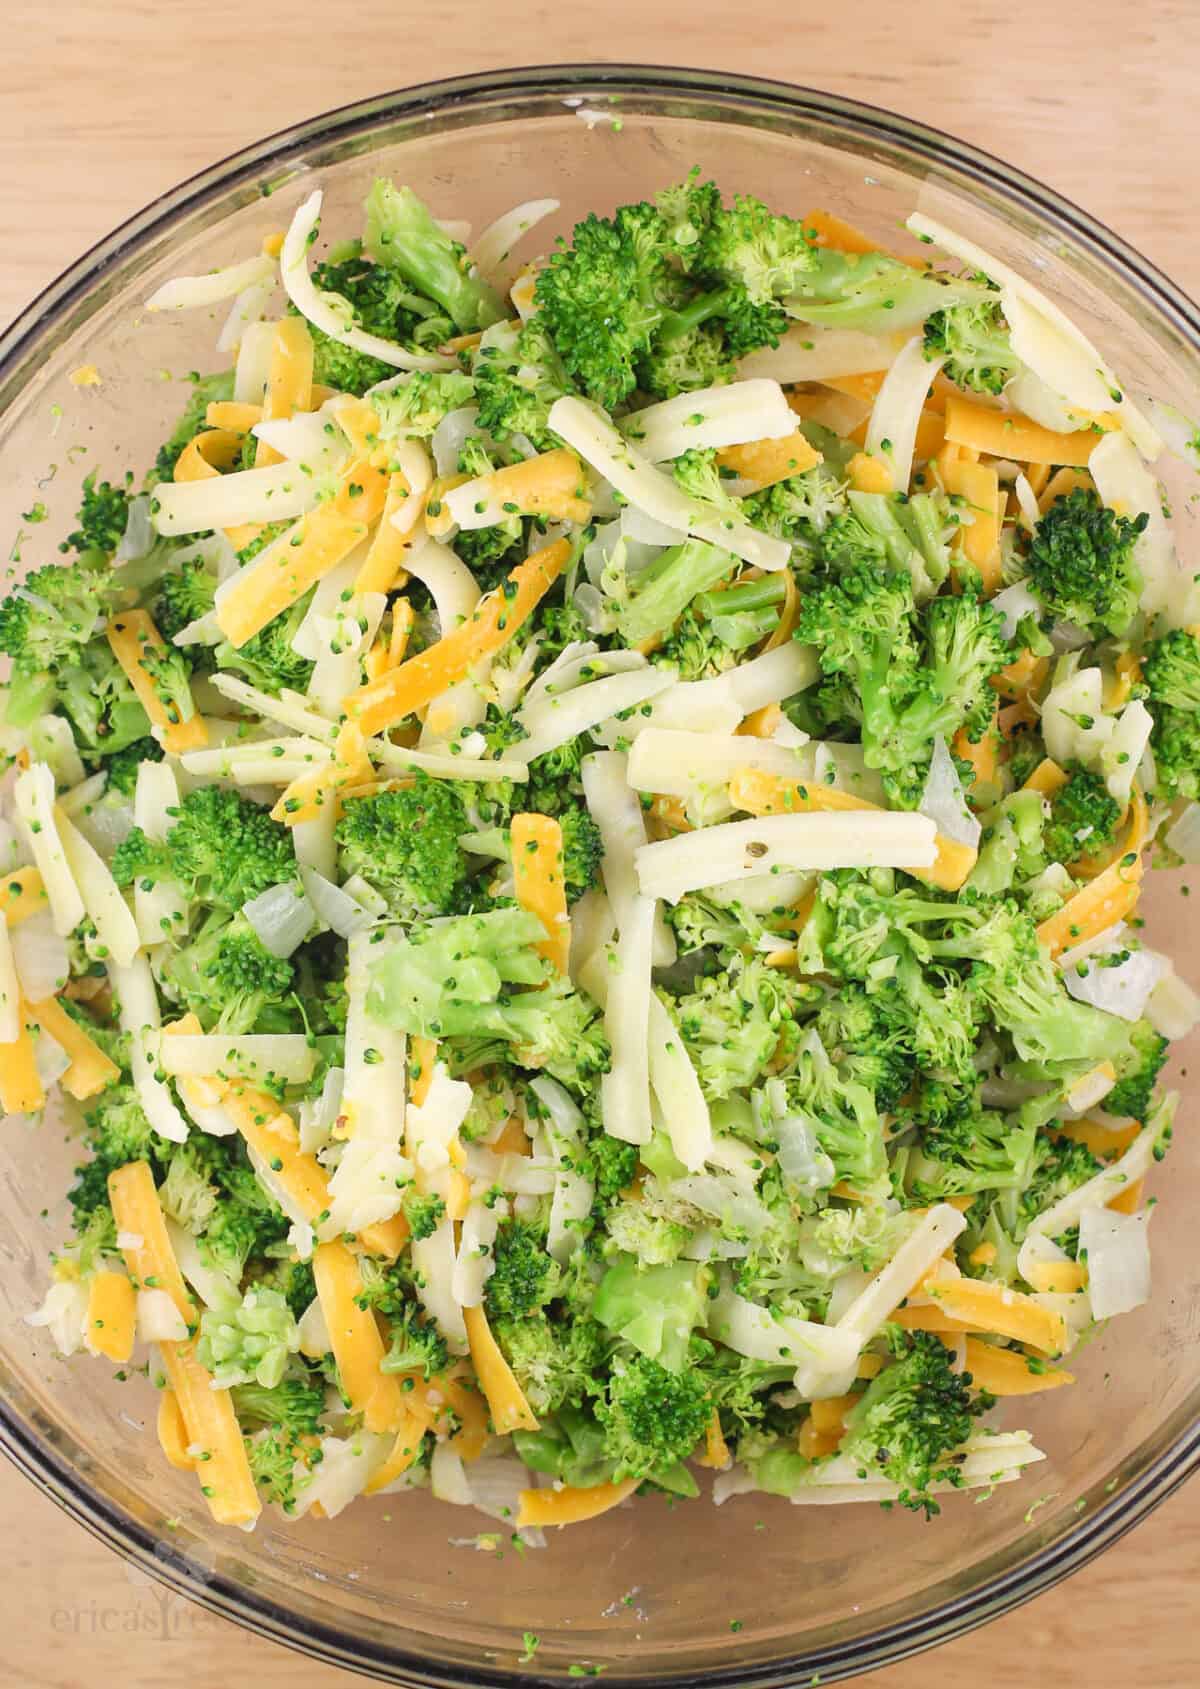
[(342, 1474), (64, 1314), (475, 1263), (40, 957), (282, 917), (1017, 601), (1118, 1260), (333, 907), (1124, 990), (247, 310), (108, 910), (1174, 1008), (158, 1319), (944, 800)]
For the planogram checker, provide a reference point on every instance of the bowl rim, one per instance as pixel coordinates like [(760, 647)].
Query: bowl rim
[(34, 1453)]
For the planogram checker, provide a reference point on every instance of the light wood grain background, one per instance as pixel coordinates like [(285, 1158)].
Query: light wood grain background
[(103, 107)]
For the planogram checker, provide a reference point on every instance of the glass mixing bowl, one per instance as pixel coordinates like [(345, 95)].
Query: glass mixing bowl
[(651, 1592)]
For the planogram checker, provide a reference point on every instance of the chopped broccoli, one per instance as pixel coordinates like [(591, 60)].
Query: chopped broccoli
[(557, 1362), (423, 1213), (1083, 818), (1171, 669), (451, 980), (227, 976), (911, 1418), (875, 293), (405, 844), (249, 1342), (1137, 1072), (268, 659), (223, 850), (904, 693), (188, 1193), (293, 1405), (524, 1276), (414, 408), (734, 1022), (122, 767), (1082, 564), (416, 1344), (402, 236), (972, 339), (517, 379), (652, 1418), (102, 518), (667, 586)]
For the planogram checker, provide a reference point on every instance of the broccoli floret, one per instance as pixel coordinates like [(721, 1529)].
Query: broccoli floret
[(903, 693), (293, 1405), (185, 594), (875, 293), (692, 358), (122, 768), (734, 1022), (56, 612), (653, 1239), (970, 1151), (910, 1418), (517, 379), (223, 850), (250, 1341), (1063, 1167), (701, 924), (700, 649), (1171, 669), (423, 1213), (613, 1164), (405, 844), (615, 302), (1083, 818), (1082, 565), (293, 1279), (237, 1233), (1137, 1073), (402, 235), (556, 1362), (267, 659), (524, 1277), (801, 508), (206, 390), (102, 517), (227, 976), (667, 586), (1018, 984), (418, 404), (117, 1132), (416, 1343), (187, 1193), (974, 344), (451, 980), (848, 1125), (652, 1418), (583, 850), (902, 533), (854, 1028), (749, 246)]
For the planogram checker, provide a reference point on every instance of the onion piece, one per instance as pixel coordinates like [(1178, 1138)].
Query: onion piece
[(332, 906), (158, 1319), (450, 435), (194, 292), (1118, 1260), (944, 800), (593, 436), (248, 309), (809, 352), (496, 242), (40, 958), (892, 430), (1174, 1008), (293, 263), (1125, 484)]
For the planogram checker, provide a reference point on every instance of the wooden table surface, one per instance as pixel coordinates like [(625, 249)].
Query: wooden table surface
[(101, 108)]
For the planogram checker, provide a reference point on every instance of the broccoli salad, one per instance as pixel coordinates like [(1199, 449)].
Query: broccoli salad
[(571, 855)]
